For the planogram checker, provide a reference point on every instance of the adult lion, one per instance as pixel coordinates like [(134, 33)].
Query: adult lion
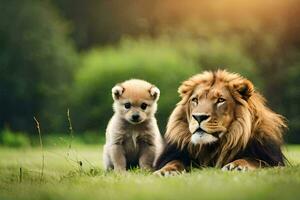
[(221, 121)]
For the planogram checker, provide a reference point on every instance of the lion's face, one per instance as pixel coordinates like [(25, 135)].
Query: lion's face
[(211, 102), (211, 111), (222, 108)]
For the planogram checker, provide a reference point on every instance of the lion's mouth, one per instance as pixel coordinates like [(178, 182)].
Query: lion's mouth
[(201, 132), (201, 136)]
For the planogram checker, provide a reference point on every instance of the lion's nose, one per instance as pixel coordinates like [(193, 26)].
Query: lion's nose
[(200, 118)]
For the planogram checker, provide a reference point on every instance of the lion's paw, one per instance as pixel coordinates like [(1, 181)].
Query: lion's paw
[(165, 173), (238, 165)]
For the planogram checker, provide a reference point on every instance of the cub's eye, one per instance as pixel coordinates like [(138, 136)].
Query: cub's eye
[(220, 100), (195, 100), (144, 106), (127, 105)]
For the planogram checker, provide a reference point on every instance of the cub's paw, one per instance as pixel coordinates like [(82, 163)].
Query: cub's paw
[(239, 165)]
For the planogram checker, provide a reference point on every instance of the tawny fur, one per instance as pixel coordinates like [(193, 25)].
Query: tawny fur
[(252, 120), (131, 144)]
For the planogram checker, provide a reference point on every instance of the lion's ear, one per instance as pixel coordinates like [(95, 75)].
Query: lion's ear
[(154, 92), (245, 88), (117, 91)]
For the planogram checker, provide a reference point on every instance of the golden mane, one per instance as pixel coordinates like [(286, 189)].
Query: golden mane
[(253, 119)]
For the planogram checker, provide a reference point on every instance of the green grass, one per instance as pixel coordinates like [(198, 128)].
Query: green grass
[(64, 178)]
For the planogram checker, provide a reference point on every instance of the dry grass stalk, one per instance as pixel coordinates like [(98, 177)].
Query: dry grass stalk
[(70, 128), (41, 144), (71, 131)]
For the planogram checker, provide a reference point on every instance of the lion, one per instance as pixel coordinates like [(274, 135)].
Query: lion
[(221, 121)]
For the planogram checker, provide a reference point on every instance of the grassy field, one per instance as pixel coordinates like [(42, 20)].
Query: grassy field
[(78, 174)]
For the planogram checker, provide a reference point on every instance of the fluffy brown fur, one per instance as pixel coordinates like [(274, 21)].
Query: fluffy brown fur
[(253, 131), (132, 134)]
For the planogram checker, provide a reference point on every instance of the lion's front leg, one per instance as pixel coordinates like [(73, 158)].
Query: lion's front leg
[(172, 168), (242, 165)]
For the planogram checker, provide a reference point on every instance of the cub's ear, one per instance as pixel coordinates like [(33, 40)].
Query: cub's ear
[(244, 88), (117, 91), (154, 92)]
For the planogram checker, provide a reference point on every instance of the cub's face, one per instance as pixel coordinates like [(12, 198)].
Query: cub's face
[(210, 113), (135, 100)]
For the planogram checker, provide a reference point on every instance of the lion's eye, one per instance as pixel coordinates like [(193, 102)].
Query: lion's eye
[(195, 100), (127, 105), (220, 100), (144, 106)]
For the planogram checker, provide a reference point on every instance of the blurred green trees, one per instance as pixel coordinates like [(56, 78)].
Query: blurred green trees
[(36, 64), (59, 54), (165, 62), (13, 139), (158, 62)]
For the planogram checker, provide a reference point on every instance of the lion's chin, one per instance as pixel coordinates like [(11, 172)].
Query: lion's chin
[(201, 137)]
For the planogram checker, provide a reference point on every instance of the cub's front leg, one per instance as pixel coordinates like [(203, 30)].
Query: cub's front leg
[(106, 158), (118, 159), (147, 155)]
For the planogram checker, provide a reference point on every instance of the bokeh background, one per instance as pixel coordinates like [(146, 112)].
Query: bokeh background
[(68, 54)]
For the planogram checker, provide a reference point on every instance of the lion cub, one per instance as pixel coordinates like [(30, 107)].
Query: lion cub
[(132, 135)]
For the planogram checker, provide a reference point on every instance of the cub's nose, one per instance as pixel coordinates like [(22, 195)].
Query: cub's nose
[(200, 118), (135, 117)]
